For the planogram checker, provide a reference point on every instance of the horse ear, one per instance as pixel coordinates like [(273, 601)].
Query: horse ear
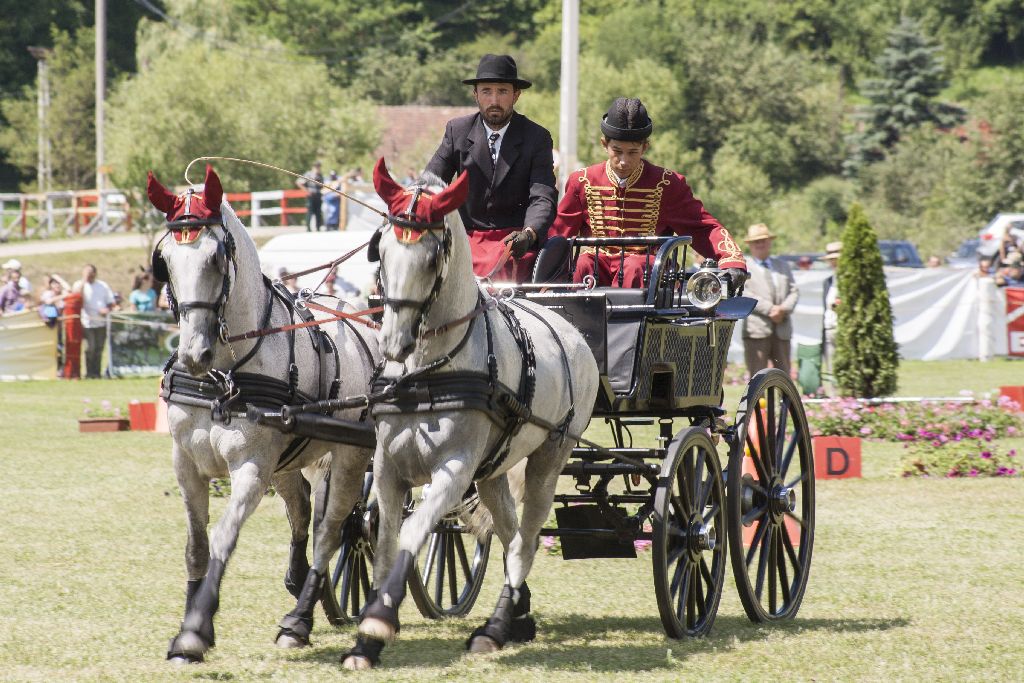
[(159, 196), (450, 198), (213, 193), (385, 185)]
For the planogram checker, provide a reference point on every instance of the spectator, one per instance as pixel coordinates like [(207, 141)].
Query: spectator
[(290, 283), (410, 177), (830, 301), (311, 184), (1011, 275), (804, 262), (143, 296), (767, 331), (11, 298), (51, 299), (984, 268), (1008, 245), (934, 262), (332, 202), (355, 176), (23, 282), (97, 302)]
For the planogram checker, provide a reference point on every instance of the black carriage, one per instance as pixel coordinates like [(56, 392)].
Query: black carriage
[(662, 352)]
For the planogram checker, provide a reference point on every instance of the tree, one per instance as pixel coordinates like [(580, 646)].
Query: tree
[(70, 122), (202, 101), (866, 354), (912, 74)]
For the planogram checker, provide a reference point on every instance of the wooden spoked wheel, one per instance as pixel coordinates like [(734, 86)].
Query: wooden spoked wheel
[(689, 529), (351, 578), (770, 498), (449, 570)]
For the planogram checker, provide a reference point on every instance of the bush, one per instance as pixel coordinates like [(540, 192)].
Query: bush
[(866, 357)]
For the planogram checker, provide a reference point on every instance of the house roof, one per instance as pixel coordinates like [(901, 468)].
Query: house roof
[(411, 133)]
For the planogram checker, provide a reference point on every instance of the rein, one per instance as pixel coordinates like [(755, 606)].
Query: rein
[(335, 314), (287, 172)]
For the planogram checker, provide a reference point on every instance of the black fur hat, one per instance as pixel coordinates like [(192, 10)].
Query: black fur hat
[(627, 120)]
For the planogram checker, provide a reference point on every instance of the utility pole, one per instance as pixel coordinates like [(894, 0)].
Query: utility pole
[(567, 161), (44, 173), (101, 88)]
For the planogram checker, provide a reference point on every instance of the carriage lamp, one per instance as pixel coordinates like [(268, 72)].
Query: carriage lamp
[(704, 289)]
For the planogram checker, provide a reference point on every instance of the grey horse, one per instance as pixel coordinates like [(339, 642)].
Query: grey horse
[(212, 269), (442, 330)]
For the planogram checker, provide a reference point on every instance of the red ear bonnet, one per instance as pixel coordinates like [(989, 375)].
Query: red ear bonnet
[(429, 208), (189, 207)]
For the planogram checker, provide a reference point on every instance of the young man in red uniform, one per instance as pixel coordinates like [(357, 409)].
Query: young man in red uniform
[(629, 197)]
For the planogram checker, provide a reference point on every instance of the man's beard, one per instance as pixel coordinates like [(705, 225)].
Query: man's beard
[(496, 117)]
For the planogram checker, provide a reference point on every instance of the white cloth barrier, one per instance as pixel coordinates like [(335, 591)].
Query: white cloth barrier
[(938, 314)]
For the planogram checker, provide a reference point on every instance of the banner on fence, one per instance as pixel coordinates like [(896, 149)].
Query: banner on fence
[(1015, 320), (28, 347), (140, 343)]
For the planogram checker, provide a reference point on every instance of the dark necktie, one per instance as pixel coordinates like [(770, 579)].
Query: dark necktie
[(494, 150)]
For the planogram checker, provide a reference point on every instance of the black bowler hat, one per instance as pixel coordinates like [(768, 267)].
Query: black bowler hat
[(498, 69), (627, 120)]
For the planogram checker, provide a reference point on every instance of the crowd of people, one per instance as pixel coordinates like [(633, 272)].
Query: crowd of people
[(1007, 265), (323, 203), (98, 299)]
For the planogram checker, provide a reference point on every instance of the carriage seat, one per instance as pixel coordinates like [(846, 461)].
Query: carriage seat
[(623, 336)]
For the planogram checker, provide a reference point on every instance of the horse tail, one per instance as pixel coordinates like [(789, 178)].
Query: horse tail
[(477, 517)]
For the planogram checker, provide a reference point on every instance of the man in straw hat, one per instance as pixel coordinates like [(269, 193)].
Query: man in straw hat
[(767, 331), (508, 157), (626, 196)]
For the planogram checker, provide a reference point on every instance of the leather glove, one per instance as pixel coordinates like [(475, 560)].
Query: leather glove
[(737, 276), (521, 241)]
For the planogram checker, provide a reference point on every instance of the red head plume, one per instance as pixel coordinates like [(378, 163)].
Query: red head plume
[(429, 208), (202, 208), (213, 193), (159, 196)]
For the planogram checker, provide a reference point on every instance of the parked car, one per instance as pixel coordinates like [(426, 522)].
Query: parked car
[(966, 255), (796, 261), (900, 253)]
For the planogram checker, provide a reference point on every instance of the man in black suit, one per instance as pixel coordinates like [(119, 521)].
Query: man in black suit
[(512, 195)]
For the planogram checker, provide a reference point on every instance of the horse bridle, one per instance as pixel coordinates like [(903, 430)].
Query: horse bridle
[(224, 257), (442, 255)]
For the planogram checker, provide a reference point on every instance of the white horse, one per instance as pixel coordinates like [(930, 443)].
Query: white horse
[(213, 272), (443, 331)]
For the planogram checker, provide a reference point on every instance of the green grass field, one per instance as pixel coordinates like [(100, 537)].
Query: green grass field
[(911, 580)]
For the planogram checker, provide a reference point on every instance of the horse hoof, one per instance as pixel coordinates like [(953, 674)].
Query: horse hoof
[(356, 663), (288, 642), (378, 629), (483, 645), (187, 648)]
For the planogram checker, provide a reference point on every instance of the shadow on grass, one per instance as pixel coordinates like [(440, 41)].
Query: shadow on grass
[(634, 656), (559, 647)]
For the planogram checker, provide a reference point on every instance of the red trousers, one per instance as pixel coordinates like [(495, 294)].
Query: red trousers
[(634, 268), (487, 249)]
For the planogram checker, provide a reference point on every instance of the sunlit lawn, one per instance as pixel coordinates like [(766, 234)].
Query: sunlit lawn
[(911, 579)]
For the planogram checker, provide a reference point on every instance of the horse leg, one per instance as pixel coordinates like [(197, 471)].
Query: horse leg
[(196, 635), (447, 485), (391, 491), (195, 491), (342, 490), (294, 490), (511, 619)]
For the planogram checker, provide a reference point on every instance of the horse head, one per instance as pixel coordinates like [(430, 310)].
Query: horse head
[(415, 251), (194, 259)]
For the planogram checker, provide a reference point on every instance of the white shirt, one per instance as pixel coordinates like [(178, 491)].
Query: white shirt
[(497, 143), (95, 296)]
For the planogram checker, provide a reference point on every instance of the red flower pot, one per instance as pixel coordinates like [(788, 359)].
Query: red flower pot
[(103, 424)]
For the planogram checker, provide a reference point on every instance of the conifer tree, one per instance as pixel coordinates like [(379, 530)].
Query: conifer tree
[(912, 75), (866, 355)]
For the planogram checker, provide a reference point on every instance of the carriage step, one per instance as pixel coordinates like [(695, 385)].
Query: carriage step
[(634, 421)]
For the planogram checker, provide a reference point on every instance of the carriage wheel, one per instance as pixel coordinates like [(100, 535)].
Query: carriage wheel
[(689, 525), (770, 498), (449, 570), (350, 580)]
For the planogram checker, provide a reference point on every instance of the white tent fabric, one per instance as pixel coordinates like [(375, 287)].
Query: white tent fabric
[(938, 313)]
